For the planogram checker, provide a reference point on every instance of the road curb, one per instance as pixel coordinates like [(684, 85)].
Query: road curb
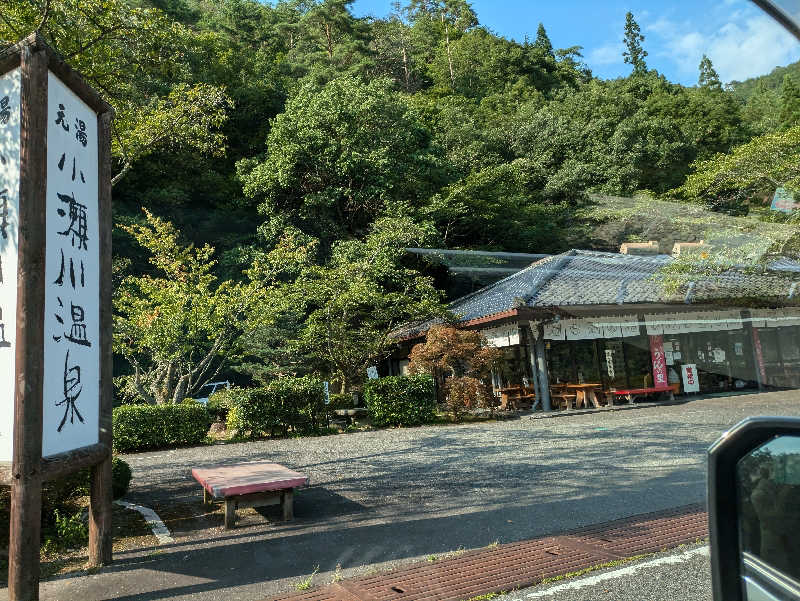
[(522, 564)]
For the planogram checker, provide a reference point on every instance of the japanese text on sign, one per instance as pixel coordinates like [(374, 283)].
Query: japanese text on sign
[(72, 366)]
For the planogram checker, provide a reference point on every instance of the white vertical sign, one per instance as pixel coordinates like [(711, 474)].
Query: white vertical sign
[(10, 86), (72, 275), (691, 382)]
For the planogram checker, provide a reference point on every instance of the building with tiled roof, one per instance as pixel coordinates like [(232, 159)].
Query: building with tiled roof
[(620, 308)]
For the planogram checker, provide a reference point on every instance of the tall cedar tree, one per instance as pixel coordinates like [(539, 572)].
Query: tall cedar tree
[(708, 79), (542, 41), (790, 103), (634, 55)]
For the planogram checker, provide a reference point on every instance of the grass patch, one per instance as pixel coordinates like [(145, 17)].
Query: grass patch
[(600, 566), (306, 583)]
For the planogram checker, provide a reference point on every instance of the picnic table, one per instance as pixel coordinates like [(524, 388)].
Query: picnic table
[(585, 392), (513, 397), (253, 484)]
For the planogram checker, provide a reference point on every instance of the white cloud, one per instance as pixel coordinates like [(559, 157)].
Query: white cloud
[(744, 44), (606, 55)]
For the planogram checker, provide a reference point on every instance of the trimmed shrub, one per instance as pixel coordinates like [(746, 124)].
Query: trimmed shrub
[(286, 404), (400, 400), (256, 412), (141, 427), (303, 403), (220, 403)]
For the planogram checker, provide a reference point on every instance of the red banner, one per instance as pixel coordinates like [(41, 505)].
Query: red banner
[(659, 361)]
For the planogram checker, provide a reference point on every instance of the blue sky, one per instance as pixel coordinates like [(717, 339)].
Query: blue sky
[(740, 40)]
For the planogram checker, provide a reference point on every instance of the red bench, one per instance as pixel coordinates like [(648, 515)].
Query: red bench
[(631, 393), (250, 485)]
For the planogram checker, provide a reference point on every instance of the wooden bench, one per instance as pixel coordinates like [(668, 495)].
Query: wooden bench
[(562, 396), (631, 393), (253, 484)]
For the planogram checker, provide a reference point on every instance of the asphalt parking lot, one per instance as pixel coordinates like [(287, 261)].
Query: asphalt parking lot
[(383, 498)]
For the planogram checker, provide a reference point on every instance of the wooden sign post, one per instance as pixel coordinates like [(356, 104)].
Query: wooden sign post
[(55, 297)]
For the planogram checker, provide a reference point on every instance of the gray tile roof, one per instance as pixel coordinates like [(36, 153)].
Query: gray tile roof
[(582, 277)]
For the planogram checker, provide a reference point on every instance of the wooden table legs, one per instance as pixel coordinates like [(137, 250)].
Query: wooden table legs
[(283, 497)]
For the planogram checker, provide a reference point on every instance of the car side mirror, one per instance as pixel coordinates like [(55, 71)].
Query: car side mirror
[(754, 511)]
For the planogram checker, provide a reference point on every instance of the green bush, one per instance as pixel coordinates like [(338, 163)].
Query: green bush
[(341, 401), (286, 404), (120, 477), (141, 427), (220, 403), (67, 532), (400, 400)]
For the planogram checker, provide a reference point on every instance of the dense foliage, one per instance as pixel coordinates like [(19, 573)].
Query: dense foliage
[(142, 427), (401, 401)]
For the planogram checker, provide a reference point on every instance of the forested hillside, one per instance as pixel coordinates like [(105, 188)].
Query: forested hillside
[(308, 147)]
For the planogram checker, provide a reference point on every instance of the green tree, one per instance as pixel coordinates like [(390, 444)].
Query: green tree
[(177, 326), (332, 41), (362, 294), (136, 58), (634, 54), (708, 78), (542, 42), (762, 111), (454, 16), (790, 103), (342, 155)]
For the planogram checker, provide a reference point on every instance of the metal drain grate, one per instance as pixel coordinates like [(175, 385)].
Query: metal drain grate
[(521, 564)]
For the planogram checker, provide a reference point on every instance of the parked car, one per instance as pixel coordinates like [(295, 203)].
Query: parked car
[(208, 389)]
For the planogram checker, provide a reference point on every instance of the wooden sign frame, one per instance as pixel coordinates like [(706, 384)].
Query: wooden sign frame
[(28, 470)]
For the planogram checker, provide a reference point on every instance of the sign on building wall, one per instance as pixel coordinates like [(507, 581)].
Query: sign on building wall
[(507, 335), (592, 327), (775, 318), (691, 382), (9, 222), (682, 323), (72, 275)]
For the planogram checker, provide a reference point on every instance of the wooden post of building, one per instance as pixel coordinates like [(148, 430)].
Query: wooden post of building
[(540, 365), (530, 335), (755, 348), (55, 297)]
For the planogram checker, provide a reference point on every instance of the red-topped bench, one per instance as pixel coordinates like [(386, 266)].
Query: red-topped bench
[(632, 393), (253, 484)]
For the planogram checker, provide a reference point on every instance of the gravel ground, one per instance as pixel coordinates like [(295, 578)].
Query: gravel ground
[(379, 499), (684, 575)]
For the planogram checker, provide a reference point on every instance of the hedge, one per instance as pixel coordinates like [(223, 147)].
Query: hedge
[(141, 427), (286, 404), (400, 400)]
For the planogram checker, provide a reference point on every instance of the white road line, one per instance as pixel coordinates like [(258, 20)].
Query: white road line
[(626, 571), (151, 517)]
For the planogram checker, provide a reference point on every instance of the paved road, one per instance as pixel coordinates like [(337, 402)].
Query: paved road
[(683, 575), (392, 496)]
